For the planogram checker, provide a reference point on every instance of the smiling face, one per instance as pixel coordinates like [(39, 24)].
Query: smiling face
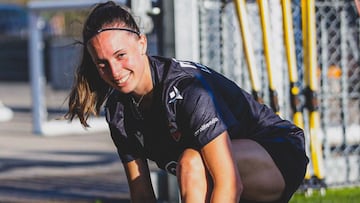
[(121, 60)]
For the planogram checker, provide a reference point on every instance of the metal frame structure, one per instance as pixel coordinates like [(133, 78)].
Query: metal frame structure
[(333, 76), (36, 54)]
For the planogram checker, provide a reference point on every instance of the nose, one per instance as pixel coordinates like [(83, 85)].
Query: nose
[(114, 69)]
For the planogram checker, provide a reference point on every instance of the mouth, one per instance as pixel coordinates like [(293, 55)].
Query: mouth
[(121, 80)]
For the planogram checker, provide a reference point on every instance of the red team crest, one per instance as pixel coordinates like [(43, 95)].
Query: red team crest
[(176, 135)]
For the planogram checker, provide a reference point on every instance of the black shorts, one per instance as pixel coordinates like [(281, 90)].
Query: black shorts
[(292, 164)]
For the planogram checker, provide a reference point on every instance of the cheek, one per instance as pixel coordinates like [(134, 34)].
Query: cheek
[(127, 62), (130, 63)]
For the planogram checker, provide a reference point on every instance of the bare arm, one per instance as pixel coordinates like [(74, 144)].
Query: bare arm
[(219, 160), (138, 176)]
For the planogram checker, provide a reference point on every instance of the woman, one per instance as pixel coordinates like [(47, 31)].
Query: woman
[(193, 122)]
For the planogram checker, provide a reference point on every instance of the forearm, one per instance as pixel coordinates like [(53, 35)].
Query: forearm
[(139, 180), (141, 198), (141, 190), (225, 194), (227, 184)]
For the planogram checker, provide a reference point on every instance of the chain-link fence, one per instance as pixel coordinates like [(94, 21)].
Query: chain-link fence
[(337, 25)]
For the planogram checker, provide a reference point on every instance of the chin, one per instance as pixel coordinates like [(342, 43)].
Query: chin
[(124, 90)]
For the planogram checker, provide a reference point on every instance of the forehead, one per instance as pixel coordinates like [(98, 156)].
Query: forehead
[(109, 27), (112, 37), (109, 42)]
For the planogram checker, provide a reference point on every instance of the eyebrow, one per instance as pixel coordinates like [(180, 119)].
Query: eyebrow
[(121, 29)]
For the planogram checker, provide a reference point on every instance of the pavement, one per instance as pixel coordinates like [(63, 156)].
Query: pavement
[(82, 166)]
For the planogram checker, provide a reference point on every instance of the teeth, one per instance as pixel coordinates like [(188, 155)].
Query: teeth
[(123, 79)]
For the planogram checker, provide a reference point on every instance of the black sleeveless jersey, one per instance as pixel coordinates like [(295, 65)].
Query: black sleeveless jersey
[(192, 104)]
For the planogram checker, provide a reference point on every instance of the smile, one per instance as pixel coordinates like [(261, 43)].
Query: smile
[(122, 80)]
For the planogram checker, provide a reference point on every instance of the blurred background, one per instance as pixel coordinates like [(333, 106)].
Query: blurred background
[(39, 51)]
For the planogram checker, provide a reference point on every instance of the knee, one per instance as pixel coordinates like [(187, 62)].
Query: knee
[(191, 166), (194, 184)]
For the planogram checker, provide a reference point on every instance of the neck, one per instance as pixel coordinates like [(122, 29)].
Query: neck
[(146, 83)]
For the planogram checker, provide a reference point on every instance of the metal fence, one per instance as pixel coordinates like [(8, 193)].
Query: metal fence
[(338, 31)]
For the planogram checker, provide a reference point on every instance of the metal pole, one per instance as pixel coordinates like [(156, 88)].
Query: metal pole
[(311, 91), (240, 7), (289, 40), (325, 86), (37, 78), (266, 33), (344, 86), (35, 53)]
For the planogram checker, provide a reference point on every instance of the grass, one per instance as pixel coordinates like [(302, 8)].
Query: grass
[(338, 195)]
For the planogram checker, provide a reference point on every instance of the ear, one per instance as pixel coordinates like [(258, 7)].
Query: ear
[(143, 44)]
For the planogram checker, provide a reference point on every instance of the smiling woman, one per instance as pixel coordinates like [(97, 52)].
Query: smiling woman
[(196, 124), (119, 55)]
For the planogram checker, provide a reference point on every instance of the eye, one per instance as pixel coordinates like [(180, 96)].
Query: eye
[(120, 55), (101, 65)]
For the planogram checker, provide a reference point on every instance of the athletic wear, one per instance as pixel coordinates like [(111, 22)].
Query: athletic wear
[(192, 105)]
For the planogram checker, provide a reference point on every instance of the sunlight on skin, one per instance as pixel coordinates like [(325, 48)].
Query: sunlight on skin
[(357, 3)]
